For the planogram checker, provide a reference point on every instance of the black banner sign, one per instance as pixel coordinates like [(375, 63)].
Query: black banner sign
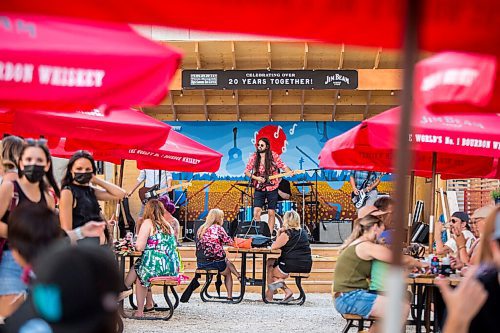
[(272, 79)]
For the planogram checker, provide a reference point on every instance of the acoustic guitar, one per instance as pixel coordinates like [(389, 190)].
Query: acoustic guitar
[(262, 186), (148, 193)]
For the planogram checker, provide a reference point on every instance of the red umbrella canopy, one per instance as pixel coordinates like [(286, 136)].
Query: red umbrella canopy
[(92, 130), (445, 25), (179, 153), (462, 149), (452, 82), (59, 63)]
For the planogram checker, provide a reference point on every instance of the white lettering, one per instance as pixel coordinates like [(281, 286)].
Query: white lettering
[(454, 76), (16, 72), (70, 77)]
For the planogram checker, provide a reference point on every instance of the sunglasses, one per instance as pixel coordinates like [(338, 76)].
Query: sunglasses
[(261, 146), (455, 221), (32, 142)]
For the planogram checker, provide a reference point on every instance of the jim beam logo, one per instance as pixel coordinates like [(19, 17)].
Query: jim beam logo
[(336, 80)]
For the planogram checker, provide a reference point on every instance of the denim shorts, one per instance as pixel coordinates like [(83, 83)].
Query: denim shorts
[(218, 265), (10, 275), (260, 198), (359, 302)]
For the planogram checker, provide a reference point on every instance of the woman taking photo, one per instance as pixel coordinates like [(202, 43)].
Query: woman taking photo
[(210, 240), (35, 165), (160, 257), (295, 255), (79, 199)]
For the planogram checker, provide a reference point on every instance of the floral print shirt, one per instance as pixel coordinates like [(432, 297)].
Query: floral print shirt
[(209, 247), (279, 164)]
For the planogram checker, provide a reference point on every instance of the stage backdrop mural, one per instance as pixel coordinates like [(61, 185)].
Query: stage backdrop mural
[(298, 143)]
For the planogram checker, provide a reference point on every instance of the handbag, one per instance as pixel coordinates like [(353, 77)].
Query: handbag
[(260, 241), (243, 243)]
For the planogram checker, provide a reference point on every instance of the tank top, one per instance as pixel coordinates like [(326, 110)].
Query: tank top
[(297, 248), (351, 272), (22, 199), (86, 207)]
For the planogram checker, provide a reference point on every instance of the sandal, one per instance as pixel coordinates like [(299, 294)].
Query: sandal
[(287, 299), (149, 310)]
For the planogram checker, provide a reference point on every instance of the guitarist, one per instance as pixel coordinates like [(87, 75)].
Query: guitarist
[(262, 164), (151, 178), (366, 181)]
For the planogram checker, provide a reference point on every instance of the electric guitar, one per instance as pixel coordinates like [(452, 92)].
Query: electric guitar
[(261, 186), (148, 193), (360, 199)]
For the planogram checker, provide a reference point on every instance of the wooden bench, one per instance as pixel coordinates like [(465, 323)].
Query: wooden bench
[(209, 276), (167, 283), (356, 321)]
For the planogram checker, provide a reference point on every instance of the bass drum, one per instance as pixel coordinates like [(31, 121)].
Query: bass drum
[(278, 220)]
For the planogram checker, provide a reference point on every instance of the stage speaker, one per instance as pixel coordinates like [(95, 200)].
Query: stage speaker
[(335, 232), (193, 226)]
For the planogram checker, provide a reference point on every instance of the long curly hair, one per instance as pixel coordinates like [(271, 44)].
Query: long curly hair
[(270, 165)]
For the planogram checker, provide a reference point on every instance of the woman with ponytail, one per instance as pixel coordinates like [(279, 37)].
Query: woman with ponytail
[(353, 268), (32, 187)]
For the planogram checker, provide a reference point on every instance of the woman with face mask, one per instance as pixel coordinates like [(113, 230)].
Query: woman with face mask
[(79, 199), (30, 188)]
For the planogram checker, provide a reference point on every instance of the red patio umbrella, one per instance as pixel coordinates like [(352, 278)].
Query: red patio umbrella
[(445, 24), (93, 129), (452, 82), (472, 139), (178, 153), (356, 150), (60, 63)]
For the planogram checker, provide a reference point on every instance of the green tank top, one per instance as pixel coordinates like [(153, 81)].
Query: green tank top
[(380, 270), (351, 272)]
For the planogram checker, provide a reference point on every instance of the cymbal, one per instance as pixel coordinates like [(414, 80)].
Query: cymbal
[(303, 184), (244, 184)]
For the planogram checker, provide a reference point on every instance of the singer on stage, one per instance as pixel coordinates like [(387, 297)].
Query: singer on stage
[(262, 164)]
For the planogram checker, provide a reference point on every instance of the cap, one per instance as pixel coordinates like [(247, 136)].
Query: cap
[(483, 212), (76, 290), (370, 210), (463, 216)]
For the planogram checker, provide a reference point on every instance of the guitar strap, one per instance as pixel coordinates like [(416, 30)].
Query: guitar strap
[(366, 180)]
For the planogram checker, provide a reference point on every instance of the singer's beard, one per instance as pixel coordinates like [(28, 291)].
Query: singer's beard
[(259, 150)]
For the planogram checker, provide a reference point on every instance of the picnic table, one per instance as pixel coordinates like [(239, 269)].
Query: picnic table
[(255, 253), (424, 288)]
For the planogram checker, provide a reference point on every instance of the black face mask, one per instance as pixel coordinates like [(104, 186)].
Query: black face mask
[(83, 177), (34, 173)]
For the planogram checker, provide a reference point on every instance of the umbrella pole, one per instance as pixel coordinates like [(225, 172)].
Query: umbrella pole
[(410, 206), (118, 210), (433, 203), (391, 322)]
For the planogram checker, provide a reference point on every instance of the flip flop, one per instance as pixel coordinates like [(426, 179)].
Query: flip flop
[(287, 299), (148, 310)]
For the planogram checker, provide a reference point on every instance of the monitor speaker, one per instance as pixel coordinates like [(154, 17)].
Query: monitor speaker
[(334, 232), (193, 226)]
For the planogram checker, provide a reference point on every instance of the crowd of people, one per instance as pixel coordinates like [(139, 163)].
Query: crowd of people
[(54, 244), (42, 223)]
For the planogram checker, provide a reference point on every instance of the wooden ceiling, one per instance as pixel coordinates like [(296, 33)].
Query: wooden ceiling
[(381, 91)]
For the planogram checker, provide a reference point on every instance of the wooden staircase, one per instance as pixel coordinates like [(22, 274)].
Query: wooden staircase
[(319, 281)]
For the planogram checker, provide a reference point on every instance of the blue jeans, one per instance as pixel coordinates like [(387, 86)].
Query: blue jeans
[(10, 275), (359, 302), (218, 265)]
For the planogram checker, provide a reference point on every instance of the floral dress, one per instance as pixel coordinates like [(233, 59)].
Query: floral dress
[(160, 258)]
